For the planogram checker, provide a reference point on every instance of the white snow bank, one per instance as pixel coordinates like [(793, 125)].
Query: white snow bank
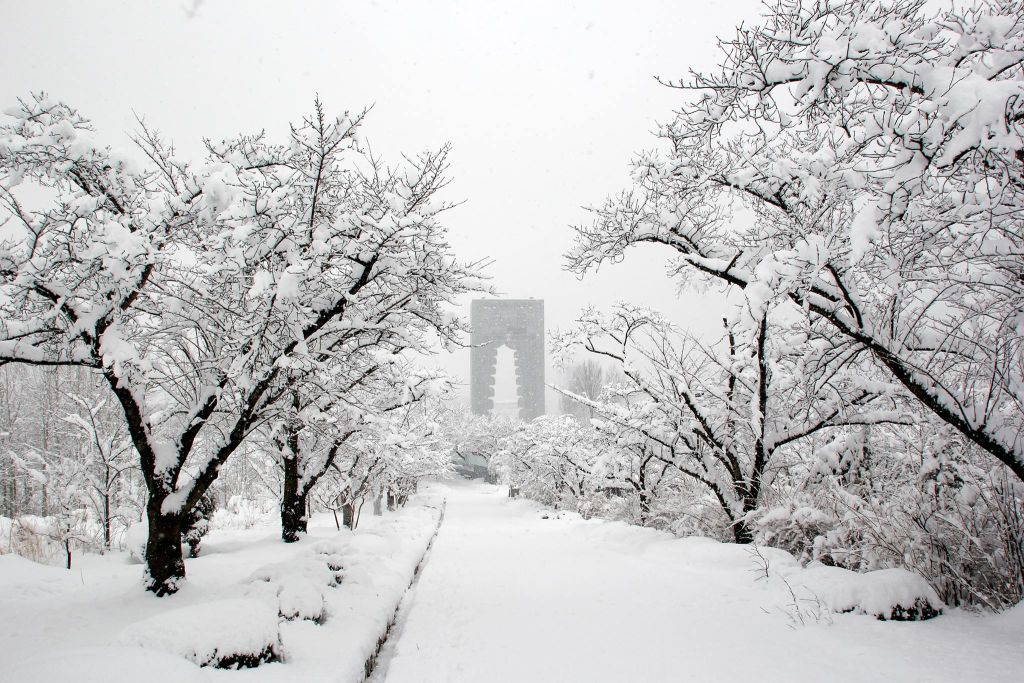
[(234, 633), (107, 665), (884, 593)]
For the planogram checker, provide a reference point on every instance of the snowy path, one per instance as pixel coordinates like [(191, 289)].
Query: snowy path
[(510, 596)]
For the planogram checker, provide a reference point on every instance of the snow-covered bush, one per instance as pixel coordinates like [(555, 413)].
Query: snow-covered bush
[(227, 634), (30, 537), (245, 513), (794, 528), (915, 497), (297, 587), (197, 524), (895, 594)]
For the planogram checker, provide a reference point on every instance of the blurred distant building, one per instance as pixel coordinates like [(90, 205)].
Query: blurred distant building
[(519, 325)]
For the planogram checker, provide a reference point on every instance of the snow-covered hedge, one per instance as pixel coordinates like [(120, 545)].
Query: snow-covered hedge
[(237, 633), (297, 587)]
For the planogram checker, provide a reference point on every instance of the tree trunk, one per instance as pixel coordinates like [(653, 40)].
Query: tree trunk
[(645, 506), (67, 549), (165, 566), (348, 515), (293, 503), (645, 495), (391, 501), (378, 504), (742, 533), (106, 522)]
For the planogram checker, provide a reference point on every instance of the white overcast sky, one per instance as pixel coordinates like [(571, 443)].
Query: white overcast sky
[(544, 103)]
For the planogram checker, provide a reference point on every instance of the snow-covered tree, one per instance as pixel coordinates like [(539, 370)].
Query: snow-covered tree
[(106, 454), (202, 291), (326, 423), (391, 453), (65, 481), (475, 436), (549, 459), (878, 149), (720, 416), (586, 378)]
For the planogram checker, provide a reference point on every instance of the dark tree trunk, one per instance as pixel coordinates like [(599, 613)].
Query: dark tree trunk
[(348, 515), (67, 549), (645, 507), (106, 522), (165, 566), (742, 533), (645, 495), (293, 503), (293, 518), (391, 501)]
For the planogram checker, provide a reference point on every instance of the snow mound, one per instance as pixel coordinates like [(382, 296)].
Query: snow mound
[(298, 586), (331, 553), (895, 594), (242, 632), (106, 665)]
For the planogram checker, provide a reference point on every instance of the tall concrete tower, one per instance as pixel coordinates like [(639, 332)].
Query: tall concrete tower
[(518, 324)]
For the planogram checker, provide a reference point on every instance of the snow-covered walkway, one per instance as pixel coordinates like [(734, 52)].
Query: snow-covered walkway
[(514, 593)]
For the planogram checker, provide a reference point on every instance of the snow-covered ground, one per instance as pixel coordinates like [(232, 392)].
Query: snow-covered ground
[(509, 591), (95, 623), (513, 592)]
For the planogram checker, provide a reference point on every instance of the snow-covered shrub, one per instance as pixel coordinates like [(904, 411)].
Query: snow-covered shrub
[(245, 513), (918, 498), (52, 540), (297, 587), (197, 524), (227, 634), (697, 515), (27, 537), (895, 594), (331, 554), (794, 527)]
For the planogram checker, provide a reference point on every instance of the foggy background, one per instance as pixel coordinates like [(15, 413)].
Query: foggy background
[(544, 104)]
